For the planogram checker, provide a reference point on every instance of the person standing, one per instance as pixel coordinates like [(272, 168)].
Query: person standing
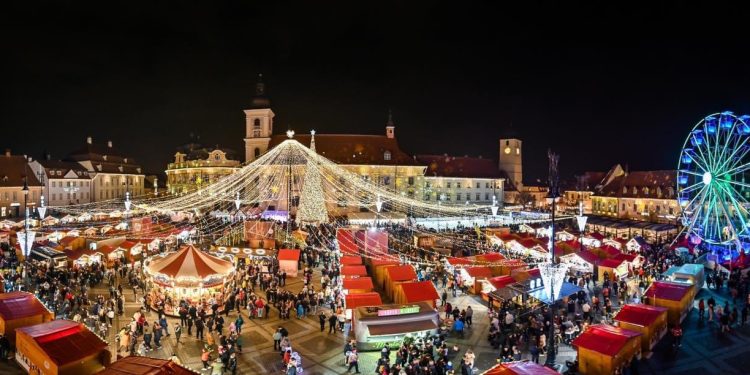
[(199, 329), (322, 318), (205, 357), (332, 321), (353, 360), (147, 336), (157, 335), (677, 334), (469, 314), (277, 339), (177, 333), (238, 324), (701, 309)]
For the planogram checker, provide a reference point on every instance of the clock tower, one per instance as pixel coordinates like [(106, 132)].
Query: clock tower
[(258, 123), (511, 162)]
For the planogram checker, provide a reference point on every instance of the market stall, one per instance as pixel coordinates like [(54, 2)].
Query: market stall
[(350, 260), (345, 241), (472, 277), (187, 274), (358, 285), (53, 258), (605, 350), (396, 275), (353, 271), (18, 310), (289, 261), (650, 321), (674, 296), (136, 365), (520, 368), (691, 274), (60, 347), (388, 325), (353, 301), (583, 261), (413, 292), (616, 269)]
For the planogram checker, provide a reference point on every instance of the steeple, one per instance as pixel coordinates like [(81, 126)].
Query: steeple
[(260, 100)]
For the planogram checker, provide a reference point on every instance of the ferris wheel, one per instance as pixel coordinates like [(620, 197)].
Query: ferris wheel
[(712, 179)]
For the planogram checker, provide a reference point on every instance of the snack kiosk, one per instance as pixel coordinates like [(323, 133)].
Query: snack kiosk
[(379, 326)]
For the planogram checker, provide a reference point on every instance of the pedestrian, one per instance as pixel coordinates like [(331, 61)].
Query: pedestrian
[(177, 332), (238, 324), (468, 315), (218, 367), (147, 337), (353, 361), (322, 318), (232, 365), (199, 329), (277, 339), (701, 309), (677, 335), (205, 357)]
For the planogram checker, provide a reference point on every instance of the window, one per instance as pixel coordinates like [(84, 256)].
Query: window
[(387, 180), (448, 185), (427, 196), (623, 206), (411, 180), (487, 185), (477, 196), (458, 185), (387, 155), (486, 196), (477, 185), (427, 184), (257, 152), (458, 196)]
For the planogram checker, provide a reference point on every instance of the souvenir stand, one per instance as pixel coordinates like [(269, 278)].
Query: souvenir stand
[(420, 291), (136, 365), (289, 261), (20, 309), (378, 326), (605, 350), (583, 261), (650, 321), (187, 274), (353, 301), (674, 296), (60, 347)]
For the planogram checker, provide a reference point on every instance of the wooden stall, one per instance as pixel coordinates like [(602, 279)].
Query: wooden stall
[(350, 260), (650, 321), (135, 365), (473, 276), (615, 269), (420, 291), (379, 270), (18, 310), (604, 350), (358, 285), (289, 261), (348, 272), (60, 347), (396, 275), (674, 296)]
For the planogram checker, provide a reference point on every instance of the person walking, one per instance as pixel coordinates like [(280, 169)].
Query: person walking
[(205, 357), (701, 309), (157, 335), (199, 329), (469, 314), (353, 361), (238, 324), (322, 318), (277, 339), (147, 336), (332, 322), (177, 332), (677, 335)]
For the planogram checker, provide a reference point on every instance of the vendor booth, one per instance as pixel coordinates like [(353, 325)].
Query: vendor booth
[(605, 350), (358, 285), (187, 274), (420, 291), (388, 325), (136, 365), (490, 285), (650, 321), (520, 368), (18, 310), (379, 270), (396, 275), (345, 240), (472, 277), (349, 272), (60, 347), (289, 261), (675, 297), (582, 261), (616, 269), (691, 274), (84, 257), (353, 301), (53, 258), (350, 260)]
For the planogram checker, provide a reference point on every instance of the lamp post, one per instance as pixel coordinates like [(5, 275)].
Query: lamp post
[(581, 221)]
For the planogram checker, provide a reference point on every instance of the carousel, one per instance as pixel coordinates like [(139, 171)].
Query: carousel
[(187, 275)]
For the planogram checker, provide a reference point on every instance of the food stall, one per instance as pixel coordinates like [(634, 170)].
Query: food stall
[(396, 275), (348, 272), (358, 285), (60, 347), (650, 321), (616, 269), (583, 261), (84, 257), (54, 258), (289, 261), (187, 274), (20, 309), (424, 241), (605, 350), (520, 368), (491, 260), (419, 291), (674, 296), (350, 260), (353, 301), (136, 365), (388, 325), (472, 277), (493, 284), (691, 274)]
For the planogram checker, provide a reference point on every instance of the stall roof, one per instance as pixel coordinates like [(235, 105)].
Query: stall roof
[(501, 281), (610, 250), (396, 328), (520, 368), (667, 290), (363, 299), (65, 341), (351, 260), (353, 271), (419, 291), (604, 339), (611, 263), (401, 273), (383, 262), (288, 254), (15, 305), (490, 257), (134, 365), (625, 257), (459, 261), (481, 272), (639, 314), (358, 283)]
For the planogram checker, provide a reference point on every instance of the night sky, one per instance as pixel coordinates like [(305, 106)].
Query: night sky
[(600, 84)]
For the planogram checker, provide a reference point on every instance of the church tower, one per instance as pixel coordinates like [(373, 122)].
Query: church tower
[(258, 123), (511, 161)]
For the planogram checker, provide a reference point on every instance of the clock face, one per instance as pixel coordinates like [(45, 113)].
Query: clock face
[(507, 150)]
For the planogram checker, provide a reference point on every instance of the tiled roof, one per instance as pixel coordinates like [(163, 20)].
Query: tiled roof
[(353, 148), (105, 159), (59, 168), (462, 166), (13, 170), (642, 184)]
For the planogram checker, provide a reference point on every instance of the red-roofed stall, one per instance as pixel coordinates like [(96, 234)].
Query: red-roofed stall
[(346, 242), (615, 269), (358, 285), (472, 277), (136, 365), (378, 270), (396, 275), (421, 291), (604, 350), (353, 271), (289, 261), (520, 368), (650, 321), (362, 299), (60, 347), (20, 309), (674, 296), (350, 260)]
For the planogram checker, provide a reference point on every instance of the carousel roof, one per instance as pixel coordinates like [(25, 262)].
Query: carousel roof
[(190, 262)]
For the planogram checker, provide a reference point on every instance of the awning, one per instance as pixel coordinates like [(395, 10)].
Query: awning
[(401, 328), (566, 290)]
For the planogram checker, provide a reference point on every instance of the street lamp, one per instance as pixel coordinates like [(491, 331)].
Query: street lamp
[(581, 221)]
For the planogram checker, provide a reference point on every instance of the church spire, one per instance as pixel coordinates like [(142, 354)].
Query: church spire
[(260, 100), (390, 118), (390, 127)]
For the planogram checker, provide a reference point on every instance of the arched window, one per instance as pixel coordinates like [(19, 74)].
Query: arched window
[(387, 155), (256, 127), (257, 152)]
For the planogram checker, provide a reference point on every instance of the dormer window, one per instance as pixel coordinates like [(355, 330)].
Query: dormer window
[(624, 189), (104, 157), (125, 160), (387, 155), (635, 190), (645, 190), (658, 191)]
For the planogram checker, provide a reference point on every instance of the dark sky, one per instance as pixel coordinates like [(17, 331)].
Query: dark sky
[(600, 84)]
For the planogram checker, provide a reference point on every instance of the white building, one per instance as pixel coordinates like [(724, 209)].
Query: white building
[(457, 180), (112, 175), (65, 182)]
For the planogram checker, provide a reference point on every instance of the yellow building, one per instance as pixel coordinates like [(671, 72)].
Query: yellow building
[(639, 195), (196, 167)]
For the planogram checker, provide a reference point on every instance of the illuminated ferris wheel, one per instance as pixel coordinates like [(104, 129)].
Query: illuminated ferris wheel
[(711, 179)]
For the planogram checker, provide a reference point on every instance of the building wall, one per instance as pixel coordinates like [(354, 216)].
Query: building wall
[(11, 200), (458, 190), (657, 210), (62, 192), (114, 186), (258, 130), (605, 206), (183, 180), (572, 197), (511, 160)]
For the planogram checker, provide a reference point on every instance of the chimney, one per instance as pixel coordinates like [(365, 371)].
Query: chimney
[(109, 144), (89, 140)]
